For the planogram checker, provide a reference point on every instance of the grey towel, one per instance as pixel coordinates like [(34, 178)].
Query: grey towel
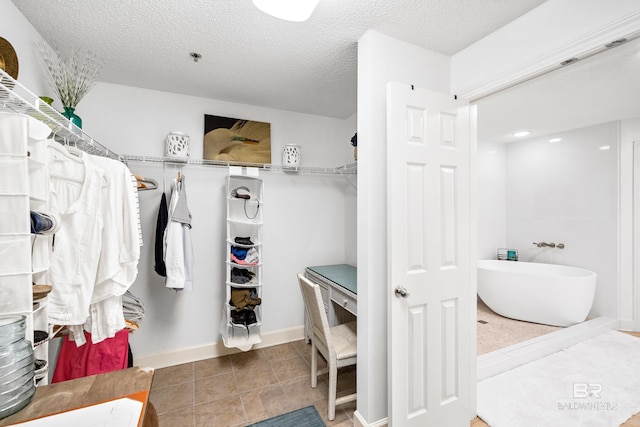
[(181, 214)]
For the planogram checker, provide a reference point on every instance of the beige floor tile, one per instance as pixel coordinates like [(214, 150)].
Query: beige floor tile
[(170, 398), (183, 417), (281, 352), (172, 375), (273, 399), (300, 391), (257, 402), (632, 422), (247, 387), (258, 376), (302, 347), (210, 367), (224, 412), (500, 332), (249, 359), (346, 380), (291, 368), (322, 408), (322, 363), (216, 387), (477, 422)]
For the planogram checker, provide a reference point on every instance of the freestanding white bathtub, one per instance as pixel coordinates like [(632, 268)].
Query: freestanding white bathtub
[(550, 294)]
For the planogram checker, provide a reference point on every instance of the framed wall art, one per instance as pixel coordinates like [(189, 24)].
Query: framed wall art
[(236, 140)]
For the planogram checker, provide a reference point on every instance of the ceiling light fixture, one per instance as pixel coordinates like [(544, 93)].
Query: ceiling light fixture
[(604, 148), (552, 140), (521, 133), (289, 10)]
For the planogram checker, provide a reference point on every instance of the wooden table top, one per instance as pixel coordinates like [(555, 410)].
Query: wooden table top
[(73, 394)]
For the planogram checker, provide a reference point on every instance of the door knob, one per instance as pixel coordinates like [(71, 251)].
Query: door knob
[(401, 291)]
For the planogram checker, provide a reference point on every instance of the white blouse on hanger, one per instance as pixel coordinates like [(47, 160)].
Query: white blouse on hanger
[(76, 197)]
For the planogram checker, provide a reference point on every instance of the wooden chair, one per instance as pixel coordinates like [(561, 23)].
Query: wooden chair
[(337, 344)]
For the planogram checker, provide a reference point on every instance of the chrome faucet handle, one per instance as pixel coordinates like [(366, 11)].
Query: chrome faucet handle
[(546, 245)]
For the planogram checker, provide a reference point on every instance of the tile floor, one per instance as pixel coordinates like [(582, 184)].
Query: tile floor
[(496, 332), (244, 388)]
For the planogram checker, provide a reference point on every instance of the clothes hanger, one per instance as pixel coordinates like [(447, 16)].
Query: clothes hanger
[(59, 166), (146, 183), (74, 150), (64, 151)]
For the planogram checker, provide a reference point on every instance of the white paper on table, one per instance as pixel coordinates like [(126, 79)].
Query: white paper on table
[(122, 412)]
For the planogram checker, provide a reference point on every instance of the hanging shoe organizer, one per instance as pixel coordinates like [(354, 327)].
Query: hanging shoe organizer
[(242, 311)]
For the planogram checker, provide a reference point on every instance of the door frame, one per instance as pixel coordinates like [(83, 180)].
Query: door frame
[(371, 327)]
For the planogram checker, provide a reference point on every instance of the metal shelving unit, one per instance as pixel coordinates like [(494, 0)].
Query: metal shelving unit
[(349, 169), (16, 98)]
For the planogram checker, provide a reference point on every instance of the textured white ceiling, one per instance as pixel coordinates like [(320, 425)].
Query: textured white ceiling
[(249, 57)]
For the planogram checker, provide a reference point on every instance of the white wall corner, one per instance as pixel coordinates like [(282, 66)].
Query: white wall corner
[(625, 233), (628, 282), (539, 41)]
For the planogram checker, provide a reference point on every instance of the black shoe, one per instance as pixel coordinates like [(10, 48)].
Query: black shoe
[(250, 318), (243, 241), (39, 337), (238, 317)]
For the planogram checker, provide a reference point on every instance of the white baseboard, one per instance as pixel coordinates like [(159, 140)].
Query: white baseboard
[(358, 421), (216, 349)]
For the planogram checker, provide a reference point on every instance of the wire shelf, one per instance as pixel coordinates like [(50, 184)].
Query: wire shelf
[(349, 169), (16, 98)]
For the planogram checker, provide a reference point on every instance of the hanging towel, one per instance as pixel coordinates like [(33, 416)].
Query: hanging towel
[(161, 226), (178, 254)]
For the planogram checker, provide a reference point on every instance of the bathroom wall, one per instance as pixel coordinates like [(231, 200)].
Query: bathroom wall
[(564, 192), (492, 187)]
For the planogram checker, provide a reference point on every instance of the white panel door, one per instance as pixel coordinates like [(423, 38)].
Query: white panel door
[(432, 360)]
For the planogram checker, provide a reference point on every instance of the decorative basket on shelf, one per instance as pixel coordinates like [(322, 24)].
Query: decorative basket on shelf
[(291, 156), (177, 145)]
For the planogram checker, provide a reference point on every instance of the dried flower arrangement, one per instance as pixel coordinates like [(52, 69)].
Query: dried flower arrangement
[(70, 77)]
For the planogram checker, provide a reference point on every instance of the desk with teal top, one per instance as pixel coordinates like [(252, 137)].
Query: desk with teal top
[(339, 288)]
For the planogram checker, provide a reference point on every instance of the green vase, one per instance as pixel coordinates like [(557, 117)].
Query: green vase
[(70, 114)]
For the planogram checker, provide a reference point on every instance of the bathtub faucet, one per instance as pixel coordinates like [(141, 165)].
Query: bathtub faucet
[(545, 245)]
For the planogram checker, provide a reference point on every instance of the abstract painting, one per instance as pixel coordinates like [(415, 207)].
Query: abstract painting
[(236, 140)]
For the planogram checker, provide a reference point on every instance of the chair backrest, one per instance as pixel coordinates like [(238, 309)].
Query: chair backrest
[(317, 315)]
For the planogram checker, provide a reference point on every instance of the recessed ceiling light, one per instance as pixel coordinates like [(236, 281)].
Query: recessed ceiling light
[(289, 10), (604, 147), (521, 133), (552, 140)]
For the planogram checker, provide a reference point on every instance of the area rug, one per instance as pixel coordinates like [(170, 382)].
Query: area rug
[(593, 383), (307, 417)]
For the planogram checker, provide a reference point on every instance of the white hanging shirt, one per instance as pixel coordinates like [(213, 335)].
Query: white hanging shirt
[(118, 266), (178, 250), (76, 187), (120, 252)]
